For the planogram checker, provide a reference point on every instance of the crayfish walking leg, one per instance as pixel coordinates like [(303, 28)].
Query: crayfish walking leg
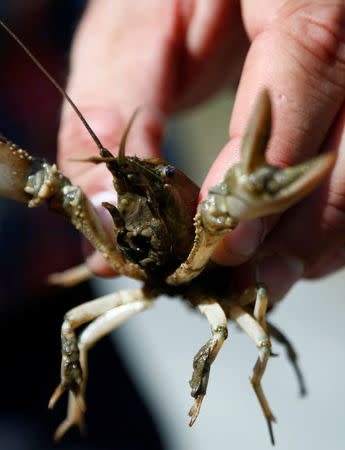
[(109, 312), (254, 327), (207, 354)]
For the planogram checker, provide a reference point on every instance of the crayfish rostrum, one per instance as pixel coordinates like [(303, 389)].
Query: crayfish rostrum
[(162, 237)]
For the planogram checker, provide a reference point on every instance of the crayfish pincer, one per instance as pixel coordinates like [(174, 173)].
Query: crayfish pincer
[(162, 237)]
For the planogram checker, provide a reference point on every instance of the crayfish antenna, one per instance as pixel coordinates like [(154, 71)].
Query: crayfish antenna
[(121, 156), (56, 85)]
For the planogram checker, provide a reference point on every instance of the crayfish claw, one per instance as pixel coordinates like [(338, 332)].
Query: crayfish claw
[(66, 425), (77, 394), (254, 188), (195, 409), (56, 395), (74, 417)]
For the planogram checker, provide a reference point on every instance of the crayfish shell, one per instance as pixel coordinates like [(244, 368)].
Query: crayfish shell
[(15, 166)]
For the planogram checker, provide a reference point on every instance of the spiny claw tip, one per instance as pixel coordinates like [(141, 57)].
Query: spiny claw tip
[(61, 430), (195, 409), (66, 425), (270, 429), (56, 395)]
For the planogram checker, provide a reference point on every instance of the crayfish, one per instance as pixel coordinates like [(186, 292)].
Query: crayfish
[(165, 239)]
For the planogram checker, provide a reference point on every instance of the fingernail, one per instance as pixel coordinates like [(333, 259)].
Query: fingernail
[(279, 273)]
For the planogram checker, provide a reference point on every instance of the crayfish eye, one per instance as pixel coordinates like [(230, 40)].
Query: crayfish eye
[(169, 171)]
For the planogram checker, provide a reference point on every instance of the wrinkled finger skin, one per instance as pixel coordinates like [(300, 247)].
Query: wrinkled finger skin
[(166, 55), (298, 53), (174, 54)]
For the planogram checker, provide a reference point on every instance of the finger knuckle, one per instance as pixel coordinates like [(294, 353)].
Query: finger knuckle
[(318, 28)]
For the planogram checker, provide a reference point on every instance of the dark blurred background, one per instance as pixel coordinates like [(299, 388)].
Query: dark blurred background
[(29, 114), (35, 243)]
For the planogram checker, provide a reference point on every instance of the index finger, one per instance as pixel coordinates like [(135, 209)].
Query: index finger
[(298, 54)]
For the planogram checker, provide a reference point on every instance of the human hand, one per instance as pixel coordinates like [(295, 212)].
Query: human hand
[(127, 54), (297, 52), (175, 54)]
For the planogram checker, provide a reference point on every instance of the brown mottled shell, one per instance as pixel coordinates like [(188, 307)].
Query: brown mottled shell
[(179, 210), (154, 216)]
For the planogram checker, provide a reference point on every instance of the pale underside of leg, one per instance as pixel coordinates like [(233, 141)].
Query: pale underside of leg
[(70, 277), (254, 327), (204, 245), (111, 311), (207, 354), (248, 296), (260, 307), (94, 308)]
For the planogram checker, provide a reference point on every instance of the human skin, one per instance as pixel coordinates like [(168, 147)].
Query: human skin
[(174, 54)]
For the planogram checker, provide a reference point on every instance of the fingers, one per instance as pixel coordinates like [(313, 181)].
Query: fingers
[(311, 233), (162, 55), (213, 31), (309, 241), (128, 54), (298, 54), (119, 61), (300, 58)]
